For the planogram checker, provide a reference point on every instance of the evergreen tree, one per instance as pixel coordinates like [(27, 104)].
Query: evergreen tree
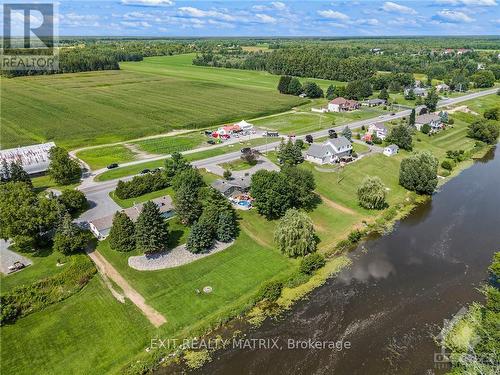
[(5, 171), (383, 94), (431, 100), (412, 118), (411, 95), (283, 84), (151, 230), (62, 168), (175, 164), (312, 90), (121, 236), (294, 87), (187, 204), (294, 234), (226, 227), (346, 132), (289, 153), (330, 92), (200, 238), (69, 238)]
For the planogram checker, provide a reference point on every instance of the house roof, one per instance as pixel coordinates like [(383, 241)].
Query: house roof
[(393, 147), (380, 125), (375, 101), (427, 118), (223, 185), (318, 151), (339, 142), (164, 204), (343, 101)]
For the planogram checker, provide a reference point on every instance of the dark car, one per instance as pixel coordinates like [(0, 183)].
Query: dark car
[(245, 150), (393, 114), (211, 142), (156, 170), (113, 165), (144, 171)]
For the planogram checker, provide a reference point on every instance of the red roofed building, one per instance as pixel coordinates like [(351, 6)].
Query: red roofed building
[(341, 104)]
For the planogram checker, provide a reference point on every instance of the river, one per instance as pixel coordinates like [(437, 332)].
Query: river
[(396, 294)]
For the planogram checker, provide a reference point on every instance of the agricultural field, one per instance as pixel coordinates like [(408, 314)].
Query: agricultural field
[(143, 98), (100, 157)]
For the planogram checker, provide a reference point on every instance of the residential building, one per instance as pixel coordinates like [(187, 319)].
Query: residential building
[(102, 226), (391, 150), (373, 102), (418, 91), (329, 152), (232, 187), (341, 105), (379, 129), (432, 119), (442, 87)]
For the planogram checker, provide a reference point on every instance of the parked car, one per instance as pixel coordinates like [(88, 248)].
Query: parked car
[(245, 150), (17, 266), (211, 142), (208, 133), (270, 134), (113, 165), (144, 171)]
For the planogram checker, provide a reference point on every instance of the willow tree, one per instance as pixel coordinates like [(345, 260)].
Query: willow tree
[(294, 234), (371, 193)]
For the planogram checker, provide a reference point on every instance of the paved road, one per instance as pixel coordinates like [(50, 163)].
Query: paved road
[(98, 192)]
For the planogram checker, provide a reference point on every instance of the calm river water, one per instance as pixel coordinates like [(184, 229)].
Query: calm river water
[(396, 294)]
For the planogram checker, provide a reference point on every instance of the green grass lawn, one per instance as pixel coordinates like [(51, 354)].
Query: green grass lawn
[(101, 157), (89, 333), (168, 145), (129, 202), (237, 165), (42, 183), (214, 151), (360, 148), (143, 98)]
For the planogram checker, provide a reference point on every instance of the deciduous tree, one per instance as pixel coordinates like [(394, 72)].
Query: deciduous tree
[(294, 234), (63, 169), (418, 172), (371, 193)]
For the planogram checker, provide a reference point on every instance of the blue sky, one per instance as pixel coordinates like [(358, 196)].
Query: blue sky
[(278, 18)]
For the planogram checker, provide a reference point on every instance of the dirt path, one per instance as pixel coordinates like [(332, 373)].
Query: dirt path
[(139, 154), (337, 206), (107, 269)]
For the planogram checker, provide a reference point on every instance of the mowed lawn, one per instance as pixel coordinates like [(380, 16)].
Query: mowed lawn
[(89, 333), (143, 98)]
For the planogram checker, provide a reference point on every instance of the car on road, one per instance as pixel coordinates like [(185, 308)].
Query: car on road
[(112, 165), (211, 142), (245, 150), (144, 171)]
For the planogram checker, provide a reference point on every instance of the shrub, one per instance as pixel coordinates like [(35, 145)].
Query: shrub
[(451, 121), (311, 263), (426, 128), (74, 200), (227, 174), (141, 185), (30, 298), (447, 164), (355, 236), (270, 291)]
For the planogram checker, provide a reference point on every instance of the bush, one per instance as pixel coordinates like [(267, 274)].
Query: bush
[(447, 164), (141, 185), (355, 236), (451, 121), (426, 128), (227, 174), (371, 193), (270, 291), (30, 298), (485, 131), (311, 263)]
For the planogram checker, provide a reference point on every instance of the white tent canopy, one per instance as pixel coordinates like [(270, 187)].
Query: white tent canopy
[(244, 125)]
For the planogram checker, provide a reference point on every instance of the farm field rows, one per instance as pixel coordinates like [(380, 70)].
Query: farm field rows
[(143, 98)]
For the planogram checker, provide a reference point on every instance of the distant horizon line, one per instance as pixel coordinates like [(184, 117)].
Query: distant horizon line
[(281, 36)]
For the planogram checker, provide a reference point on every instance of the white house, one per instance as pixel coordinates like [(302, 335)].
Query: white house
[(341, 105), (391, 150), (418, 91), (379, 129), (432, 119), (442, 87), (330, 151)]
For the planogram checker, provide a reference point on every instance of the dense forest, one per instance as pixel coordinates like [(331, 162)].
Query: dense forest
[(361, 60)]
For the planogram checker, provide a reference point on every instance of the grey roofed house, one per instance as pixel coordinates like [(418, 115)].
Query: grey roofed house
[(427, 118), (319, 150), (372, 102), (340, 143), (229, 187), (393, 148), (102, 226)]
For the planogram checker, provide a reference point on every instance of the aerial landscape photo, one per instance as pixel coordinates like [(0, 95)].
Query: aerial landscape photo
[(250, 187)]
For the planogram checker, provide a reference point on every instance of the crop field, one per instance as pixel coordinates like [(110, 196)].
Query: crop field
[(168, 145), (143, 98)]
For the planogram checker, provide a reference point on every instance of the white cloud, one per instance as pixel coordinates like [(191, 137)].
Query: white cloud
[(79, 20), (402, 21), (279, 5), (148, 3), (391, 7), (452, 16), (264, 18), (199, 13), (368, 22), (333, 15), (136, 24), (484, 3)]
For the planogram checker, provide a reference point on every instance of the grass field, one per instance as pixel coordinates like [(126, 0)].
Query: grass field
[(236, 165), (168, 145), (144, 98), (100, 157)]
